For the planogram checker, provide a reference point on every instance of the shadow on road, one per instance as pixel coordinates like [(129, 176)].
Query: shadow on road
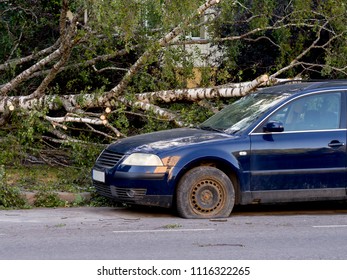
[(304, 208)]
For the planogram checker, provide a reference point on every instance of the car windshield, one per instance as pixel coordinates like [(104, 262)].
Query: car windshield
[(242, 113)]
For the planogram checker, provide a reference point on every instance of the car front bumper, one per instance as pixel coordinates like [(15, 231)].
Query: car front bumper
[(134, 187)]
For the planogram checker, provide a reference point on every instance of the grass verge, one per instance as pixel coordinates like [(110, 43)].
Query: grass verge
[(47, 186)]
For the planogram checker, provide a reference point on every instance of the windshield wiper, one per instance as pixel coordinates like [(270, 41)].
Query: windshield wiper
[(232, 131), (210, 128)]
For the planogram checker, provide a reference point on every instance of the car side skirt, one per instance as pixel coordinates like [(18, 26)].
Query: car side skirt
[(293, 195)]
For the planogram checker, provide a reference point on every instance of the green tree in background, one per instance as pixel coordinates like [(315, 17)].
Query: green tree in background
[(303, 37)]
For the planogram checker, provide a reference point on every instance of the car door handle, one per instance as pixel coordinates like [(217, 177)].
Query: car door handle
[(335, 143)]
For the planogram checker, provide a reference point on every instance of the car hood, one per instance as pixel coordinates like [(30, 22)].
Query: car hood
[(165, 140)]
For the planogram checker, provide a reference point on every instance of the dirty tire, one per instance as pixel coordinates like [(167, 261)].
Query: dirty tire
[(205, 192)]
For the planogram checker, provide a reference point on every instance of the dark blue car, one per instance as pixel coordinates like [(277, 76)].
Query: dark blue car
[(284, 143)]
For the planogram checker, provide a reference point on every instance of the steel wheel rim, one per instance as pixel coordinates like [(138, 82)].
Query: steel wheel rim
[(207, 197)]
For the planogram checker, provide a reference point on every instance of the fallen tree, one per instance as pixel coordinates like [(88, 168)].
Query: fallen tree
[(92, 109)]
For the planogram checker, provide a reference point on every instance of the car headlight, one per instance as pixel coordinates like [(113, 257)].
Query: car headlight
[(141, 159)]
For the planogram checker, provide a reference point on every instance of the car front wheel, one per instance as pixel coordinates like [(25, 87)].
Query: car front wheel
[(205, 192)]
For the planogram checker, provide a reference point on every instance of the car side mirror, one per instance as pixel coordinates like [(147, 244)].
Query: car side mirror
[(273, 126)]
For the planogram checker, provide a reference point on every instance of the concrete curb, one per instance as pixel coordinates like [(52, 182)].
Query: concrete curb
[(64, 196)]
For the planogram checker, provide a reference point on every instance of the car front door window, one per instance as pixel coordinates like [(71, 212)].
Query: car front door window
[(313, 112)]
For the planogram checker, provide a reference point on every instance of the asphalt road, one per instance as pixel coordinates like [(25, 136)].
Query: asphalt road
[(256, 233)]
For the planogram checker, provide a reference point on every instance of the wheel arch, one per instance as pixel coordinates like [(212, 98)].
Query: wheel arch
[(225, 166)]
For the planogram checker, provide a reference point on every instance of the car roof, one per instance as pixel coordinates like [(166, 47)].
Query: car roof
[(298, 85)]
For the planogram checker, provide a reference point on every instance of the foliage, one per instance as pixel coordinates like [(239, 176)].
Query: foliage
[(100, 201), (193, 113), (47, 199), (26, 26), (285, 30), (10, 149), (10, 197), (83, 155), (137, 25)]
